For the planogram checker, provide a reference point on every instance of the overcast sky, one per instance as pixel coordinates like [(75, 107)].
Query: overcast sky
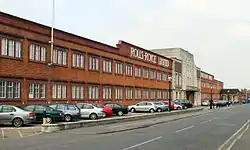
[(217, 32)]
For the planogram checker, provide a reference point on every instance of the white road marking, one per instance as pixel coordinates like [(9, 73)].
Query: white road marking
[(154, 139), (233, 136), (184, 129), (2, 134), (20, 134), (122, 125), (205, 121)]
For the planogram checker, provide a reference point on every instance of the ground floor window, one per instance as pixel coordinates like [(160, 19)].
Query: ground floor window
[(59, 91), (77, 92), (93, 92), (107, 93), (10, 89), (36, 90), (118, 93)]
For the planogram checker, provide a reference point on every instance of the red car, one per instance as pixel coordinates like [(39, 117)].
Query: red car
[(171, 105), (107, 110)]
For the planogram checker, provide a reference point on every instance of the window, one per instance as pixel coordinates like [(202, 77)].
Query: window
[(77, 92), (151, 74), (107, 66), (138, 93), (37, 52), (138, 71), (60, 56), (164, 94), (129, 93), (107, 93), (9, 89), (145, 94), (118, 68), (118, 93), (11, 48), (159, 75), (93, 63), (93, 92), (36, 90), (78, 60), (164, 77), (158, 94), (128, 70), (145, 73), (59, 91), (152, 94)]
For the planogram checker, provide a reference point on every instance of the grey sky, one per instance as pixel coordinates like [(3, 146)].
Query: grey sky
[(217, 32)]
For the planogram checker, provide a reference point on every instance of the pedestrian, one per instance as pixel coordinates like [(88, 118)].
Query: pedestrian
[(211, 104)]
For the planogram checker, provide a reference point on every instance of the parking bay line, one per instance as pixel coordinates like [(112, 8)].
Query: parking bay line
[(139, 144), (2, 134), (20, 134), (186, 128)]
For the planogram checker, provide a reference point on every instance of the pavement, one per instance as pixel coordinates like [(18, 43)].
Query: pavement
[(206, 131)]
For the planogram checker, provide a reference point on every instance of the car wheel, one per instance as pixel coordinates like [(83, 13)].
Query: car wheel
[(159, 110), (49, 120), (17, 122), (120, 113), (132, 110), (93, 116), (151, 110), (178, 108), (67, 118), (104, 114)]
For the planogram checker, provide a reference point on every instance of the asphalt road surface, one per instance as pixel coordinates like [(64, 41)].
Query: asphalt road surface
[(204, 132)]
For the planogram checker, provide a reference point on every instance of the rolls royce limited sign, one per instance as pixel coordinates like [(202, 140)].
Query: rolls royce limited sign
[(142, 55)]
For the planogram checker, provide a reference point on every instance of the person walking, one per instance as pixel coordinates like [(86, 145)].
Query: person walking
[(211, 104)]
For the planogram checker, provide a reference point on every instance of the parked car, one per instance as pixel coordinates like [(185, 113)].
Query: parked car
[(16, 116), (70, 111), (117, 109), (143, 107), (183, 102), (171, 104), (44, 111), (161, 106), (107, 110), (178, 106), (90, 111), (221, 103), (205, 103)]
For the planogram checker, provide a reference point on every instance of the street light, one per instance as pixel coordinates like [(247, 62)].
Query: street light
[(228, 96), (169, 92), (211, 101)]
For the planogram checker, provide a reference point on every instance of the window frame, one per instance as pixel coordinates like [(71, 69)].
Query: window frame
[(78, 64), (94, 62), (119, 68), (128, 69), (105, 65), (59, 93), (77, 92), (8, 39), (16, 86), (96, 89), (56, 58), (40, 85), (108, 92)]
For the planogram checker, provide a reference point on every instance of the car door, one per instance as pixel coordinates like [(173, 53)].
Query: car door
[(86, 110), (141, 106), (114, 109), (39, 111), (7, 113), (1, 117), (117, 108)]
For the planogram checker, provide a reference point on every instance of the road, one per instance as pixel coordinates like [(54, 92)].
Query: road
[(204, 132)]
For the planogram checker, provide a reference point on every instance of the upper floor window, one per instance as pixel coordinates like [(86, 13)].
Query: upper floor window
[(60, 56), (138, 71), (145, 73), (9, 89), (37, 90), (151, 74), (128, 70), (164, 77), (159, 75), (11, 48), (78, 60), (94, 63), (118, 68), (37, 52), (107, 66)]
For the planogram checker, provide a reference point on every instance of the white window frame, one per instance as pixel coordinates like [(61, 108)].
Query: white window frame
[(78, 60), (145, 94), (10, 47), (118, 93), (118, 67), (93, 92), (129, 93), (152, 94), (107, 66), (107, 92), (159, 94), (164, 76), (129, 70), (151, 74), (37, 90), (37, 52), (59, 91), (94, 63), (159, 76), (138, 71), (10, 89), (145, 72), (77, 92), (138, 93), (60, 56)]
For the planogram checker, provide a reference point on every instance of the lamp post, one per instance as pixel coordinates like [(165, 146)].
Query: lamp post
[(169, 92), (228, 96), (211, 101)]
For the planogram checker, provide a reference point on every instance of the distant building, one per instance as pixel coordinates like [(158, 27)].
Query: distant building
[(231, 94)]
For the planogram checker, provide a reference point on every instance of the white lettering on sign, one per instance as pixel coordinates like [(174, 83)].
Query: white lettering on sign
[(139, 54)]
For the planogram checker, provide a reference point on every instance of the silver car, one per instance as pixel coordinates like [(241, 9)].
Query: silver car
[(91, 111), (143, 107), (161, 106), (16, 116), (70, 111)]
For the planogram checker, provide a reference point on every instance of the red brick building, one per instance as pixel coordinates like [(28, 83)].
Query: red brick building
[(210, 87), (82, 69)]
